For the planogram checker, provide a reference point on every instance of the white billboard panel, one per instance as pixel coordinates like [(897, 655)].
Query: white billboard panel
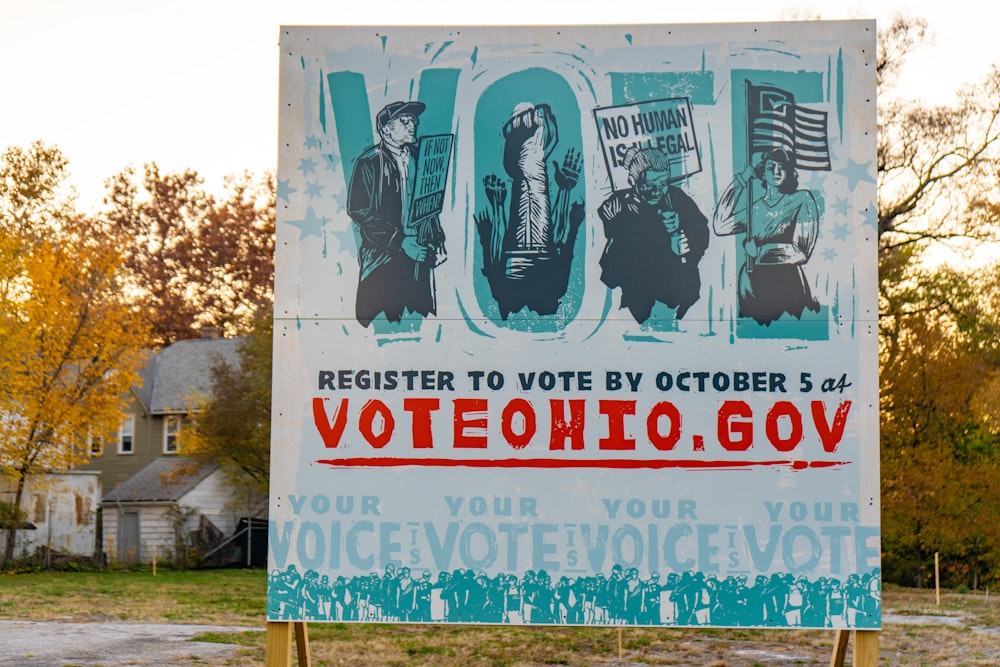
[(577, 325)]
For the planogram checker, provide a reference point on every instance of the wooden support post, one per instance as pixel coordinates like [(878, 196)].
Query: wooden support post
[(620, 650), (278, 652), (840, 648), (866, 648), (302, 644)]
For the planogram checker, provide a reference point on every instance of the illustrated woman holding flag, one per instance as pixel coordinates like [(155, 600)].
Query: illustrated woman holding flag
[(781, 223)]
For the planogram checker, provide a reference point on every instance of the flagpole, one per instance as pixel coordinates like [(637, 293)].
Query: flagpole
[(750, 259), (749, 262)]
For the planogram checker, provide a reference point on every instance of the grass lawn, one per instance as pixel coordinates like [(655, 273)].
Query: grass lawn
[(236, 597)]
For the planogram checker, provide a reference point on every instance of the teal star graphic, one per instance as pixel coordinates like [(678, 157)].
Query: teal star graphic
[(307, 166), (332, 161), (312, 141), (856, 172), (841, 206), (829, 254), (311, 225), (341, 198), (870, 217), (345, 238), (314, 190), (840, 231), (285, 189)]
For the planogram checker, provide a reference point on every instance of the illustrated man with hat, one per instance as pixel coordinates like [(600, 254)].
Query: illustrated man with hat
[(396, 259)]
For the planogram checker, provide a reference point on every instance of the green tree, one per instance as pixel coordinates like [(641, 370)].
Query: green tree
[(233, 428), (70, 343)]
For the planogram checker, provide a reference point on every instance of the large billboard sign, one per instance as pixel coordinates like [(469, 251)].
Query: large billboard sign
[(577, 325)]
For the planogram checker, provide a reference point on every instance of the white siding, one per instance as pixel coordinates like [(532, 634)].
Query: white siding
[(155, 530), (212, 498), (215, 500), (109, 531), (62, 506)]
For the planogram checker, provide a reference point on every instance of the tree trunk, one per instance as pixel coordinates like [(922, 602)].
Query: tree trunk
[(920, 570), (8, 554)]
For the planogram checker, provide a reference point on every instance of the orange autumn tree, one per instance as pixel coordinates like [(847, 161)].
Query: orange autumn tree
[(70, 342), (197, 260), (940, 368), (936, 175)]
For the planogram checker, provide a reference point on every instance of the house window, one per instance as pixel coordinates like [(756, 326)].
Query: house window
[(126, 435), (171, 427), (96, 445)]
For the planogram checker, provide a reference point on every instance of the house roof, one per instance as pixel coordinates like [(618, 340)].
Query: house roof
[(164, 479), (175, 375)]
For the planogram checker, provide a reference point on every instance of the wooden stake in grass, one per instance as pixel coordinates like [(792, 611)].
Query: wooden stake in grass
[(154, 559), (937, 578), (620, 654)]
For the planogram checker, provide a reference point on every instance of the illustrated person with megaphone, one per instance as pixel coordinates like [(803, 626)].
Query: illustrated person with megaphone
[(656, 235)]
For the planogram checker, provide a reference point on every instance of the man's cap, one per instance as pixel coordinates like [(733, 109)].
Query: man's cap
[(397, 109)]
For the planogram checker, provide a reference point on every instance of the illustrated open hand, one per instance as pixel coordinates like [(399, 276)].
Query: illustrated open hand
[(568, 174)]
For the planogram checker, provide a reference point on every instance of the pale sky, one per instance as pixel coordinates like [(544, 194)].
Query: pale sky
[(194, 83)]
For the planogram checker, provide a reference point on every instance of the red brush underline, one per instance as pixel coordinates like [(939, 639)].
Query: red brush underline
[(618, 464)]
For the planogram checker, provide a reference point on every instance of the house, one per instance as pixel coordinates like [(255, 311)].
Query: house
[(153, 498), (172, 382), (171, 505)]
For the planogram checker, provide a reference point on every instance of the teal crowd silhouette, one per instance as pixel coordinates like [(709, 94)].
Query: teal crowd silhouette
[(688, 599)]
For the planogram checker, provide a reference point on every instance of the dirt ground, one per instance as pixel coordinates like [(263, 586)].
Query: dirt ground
[(942, 637), (45, 644)]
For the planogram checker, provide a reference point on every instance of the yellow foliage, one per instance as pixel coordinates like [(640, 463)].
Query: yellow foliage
[(70, 345)]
